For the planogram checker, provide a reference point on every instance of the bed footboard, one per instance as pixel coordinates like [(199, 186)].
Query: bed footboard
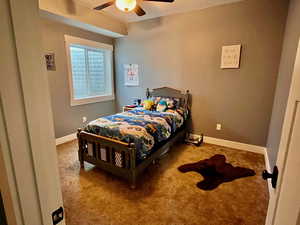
[(116, 157)]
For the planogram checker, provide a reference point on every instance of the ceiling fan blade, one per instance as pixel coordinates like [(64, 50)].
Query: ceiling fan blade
[(170, 1), (103, 6), (139, 11)]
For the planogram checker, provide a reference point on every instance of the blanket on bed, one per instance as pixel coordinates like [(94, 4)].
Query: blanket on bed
[(142, 127)]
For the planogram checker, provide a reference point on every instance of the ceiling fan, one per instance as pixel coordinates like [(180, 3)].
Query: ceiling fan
[(129, 5)]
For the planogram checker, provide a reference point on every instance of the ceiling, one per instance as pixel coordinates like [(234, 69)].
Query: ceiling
[(155, 9)]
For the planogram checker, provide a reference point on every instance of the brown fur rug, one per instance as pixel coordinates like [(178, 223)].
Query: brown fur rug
[(215, 171)]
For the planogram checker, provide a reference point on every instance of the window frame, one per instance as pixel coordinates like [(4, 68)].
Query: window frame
[(71, 40)]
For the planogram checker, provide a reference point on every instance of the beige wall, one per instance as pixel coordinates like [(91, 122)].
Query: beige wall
[(291, 39), (183, 51), (68, 118)]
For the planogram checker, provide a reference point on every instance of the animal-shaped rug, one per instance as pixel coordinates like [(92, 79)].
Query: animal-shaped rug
[(215, 171)]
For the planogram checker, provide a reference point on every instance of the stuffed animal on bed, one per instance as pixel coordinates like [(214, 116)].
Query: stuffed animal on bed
[(171, 102), (162, 106), (148, 104)]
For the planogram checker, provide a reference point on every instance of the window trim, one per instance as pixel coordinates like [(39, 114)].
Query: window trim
[(71, 40)]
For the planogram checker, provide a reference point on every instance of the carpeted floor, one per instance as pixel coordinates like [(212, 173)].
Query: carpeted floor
[(164, 196)]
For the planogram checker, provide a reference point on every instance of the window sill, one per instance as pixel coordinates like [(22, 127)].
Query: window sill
[(90, 100)]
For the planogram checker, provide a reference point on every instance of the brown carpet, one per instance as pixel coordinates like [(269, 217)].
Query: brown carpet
[(164, 196)]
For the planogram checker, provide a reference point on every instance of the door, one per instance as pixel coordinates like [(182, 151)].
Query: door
[(29, 178), (284, 205)]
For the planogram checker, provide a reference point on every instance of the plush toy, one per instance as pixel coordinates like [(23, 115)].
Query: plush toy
[(162, 106), (171, 102), (148, 104)]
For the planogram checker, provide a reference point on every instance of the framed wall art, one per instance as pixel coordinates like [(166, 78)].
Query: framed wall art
[(50, 61), (131, 73), (231, 55)]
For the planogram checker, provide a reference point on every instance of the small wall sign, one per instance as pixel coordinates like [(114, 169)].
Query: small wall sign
[(231, 57), (131, 73), (50, 61)]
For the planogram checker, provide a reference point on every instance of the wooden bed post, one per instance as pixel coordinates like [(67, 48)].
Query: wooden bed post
[(132, 165), (147, 93), (187, 108), (80, 148), (187, 96), (133, 181)]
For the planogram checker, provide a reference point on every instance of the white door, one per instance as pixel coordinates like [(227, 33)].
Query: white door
[(30, 183), (284, 205)]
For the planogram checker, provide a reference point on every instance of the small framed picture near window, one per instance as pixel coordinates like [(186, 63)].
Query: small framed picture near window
[(131, 73), (50, 61), (231, 55)]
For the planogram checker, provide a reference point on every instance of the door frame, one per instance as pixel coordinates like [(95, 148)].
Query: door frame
[(31, 187)]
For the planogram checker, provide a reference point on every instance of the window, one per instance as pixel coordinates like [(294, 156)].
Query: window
[(90, 71)]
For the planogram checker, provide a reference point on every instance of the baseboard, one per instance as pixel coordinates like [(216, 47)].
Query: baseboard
[(236, 145), (65, 139)]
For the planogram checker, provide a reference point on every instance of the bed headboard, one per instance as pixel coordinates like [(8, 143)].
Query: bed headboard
[(170, 93)]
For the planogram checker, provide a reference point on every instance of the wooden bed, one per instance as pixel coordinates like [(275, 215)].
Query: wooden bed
[(91, 146)]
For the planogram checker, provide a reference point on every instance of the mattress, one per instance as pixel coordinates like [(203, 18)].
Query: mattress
[(142, 127)]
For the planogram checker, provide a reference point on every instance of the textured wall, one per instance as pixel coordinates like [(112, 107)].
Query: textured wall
[(291, 39), (183, 51), (68, 118)]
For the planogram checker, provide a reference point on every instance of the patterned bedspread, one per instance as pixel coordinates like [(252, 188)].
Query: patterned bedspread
[(139, 126)]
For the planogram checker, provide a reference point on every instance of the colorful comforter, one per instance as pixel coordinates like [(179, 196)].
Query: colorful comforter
[(142, 127)]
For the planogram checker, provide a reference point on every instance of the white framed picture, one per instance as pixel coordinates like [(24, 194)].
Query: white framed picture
[(131, 73), (231, 55)]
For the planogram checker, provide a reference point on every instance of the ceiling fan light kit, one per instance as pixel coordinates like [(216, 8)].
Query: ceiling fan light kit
[(126, 5), (129, 5)]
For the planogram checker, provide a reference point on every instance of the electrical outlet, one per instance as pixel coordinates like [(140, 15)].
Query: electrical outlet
[(219, 126), (84, 119)]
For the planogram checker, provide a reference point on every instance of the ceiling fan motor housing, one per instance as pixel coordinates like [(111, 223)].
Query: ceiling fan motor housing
[(129, 5)]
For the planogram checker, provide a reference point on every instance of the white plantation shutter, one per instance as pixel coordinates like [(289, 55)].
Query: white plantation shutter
[(96, 66), (88, 71), (79, 73)]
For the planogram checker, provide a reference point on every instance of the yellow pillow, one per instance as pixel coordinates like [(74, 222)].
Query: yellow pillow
[(148, 104)]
